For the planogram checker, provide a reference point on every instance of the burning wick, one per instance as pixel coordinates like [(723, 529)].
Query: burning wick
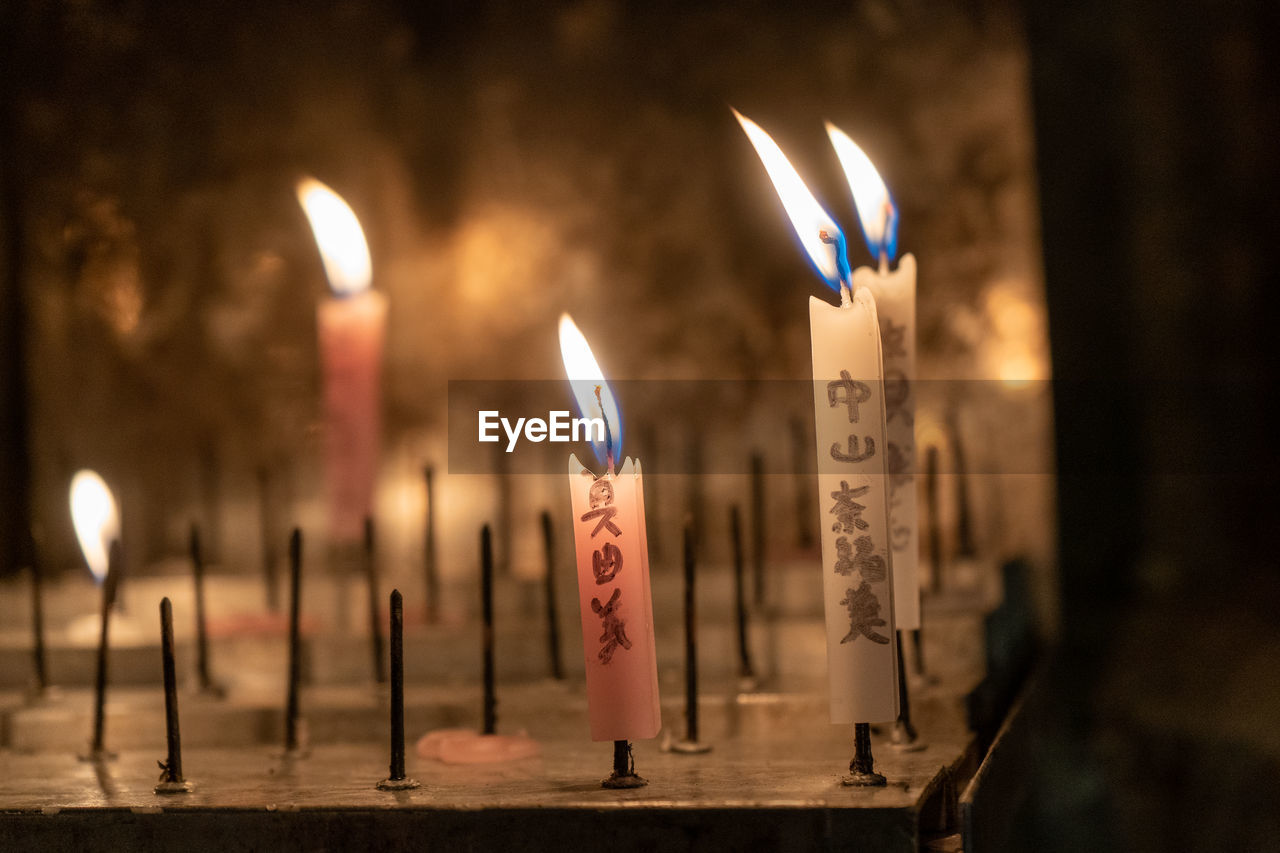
[(397, 780), (842, 263), (608, 434), (888, 218), (171, 780)]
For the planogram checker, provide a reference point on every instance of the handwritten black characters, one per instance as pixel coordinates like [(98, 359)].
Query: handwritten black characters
[(602, 508), (606, 562), (852, 454), (864, 615), (858, 557), (847, 511), (615, 630), (849, 393)]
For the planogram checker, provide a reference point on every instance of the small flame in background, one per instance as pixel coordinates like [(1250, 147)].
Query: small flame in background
[(876, 211), (807, 216), (339, 236), (96, 519), (584, 377)]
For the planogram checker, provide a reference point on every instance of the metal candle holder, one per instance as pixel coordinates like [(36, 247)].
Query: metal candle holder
[(294, 747), (396, 779), (171, 779), (690, 745), (110, 586)]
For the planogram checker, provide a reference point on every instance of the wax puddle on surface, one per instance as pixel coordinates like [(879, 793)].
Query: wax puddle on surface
[(467, 746)]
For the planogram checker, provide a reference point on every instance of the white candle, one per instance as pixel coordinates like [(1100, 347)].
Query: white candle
[(351, 330), (858, 589), (895, 295), (849, 413), (613, 565)]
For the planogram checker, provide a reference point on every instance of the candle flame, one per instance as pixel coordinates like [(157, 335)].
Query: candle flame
[(876, 211), (821, 238), (96, 519), (339, 236), (590, 391)]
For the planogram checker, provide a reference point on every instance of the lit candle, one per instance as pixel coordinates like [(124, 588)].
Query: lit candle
[(849, 415), (895, 294), (97, 523), (613, 566), (96, 518), (351, 326)]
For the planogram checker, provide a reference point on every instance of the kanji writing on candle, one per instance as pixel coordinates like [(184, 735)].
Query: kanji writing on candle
[(606, 563), (602, 508), (848, 392), (859, 555), (864, 614), (615, 630)]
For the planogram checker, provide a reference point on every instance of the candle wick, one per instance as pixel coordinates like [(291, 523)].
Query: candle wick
[(608, 434), (888, 228), (843, 273)]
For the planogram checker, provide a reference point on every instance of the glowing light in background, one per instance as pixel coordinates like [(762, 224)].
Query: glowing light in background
[(96, 519), (585, 377), (807, 217), (339, 236), (1013, 348), (876, 211)]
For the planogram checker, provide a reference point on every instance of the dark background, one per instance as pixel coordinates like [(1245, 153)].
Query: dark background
[(1154, 134), (1156, 128)]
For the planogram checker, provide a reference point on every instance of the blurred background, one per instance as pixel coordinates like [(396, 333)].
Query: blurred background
[(1083, 188)]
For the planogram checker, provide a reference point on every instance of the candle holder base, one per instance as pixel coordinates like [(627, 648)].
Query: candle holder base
[(295, 753), (405, 784), (690, 747), (174, 787), (904, 738), (624, 780), (97, 755), (863, 779)]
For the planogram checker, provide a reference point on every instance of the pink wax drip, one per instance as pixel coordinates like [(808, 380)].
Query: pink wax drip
[(467, 746)]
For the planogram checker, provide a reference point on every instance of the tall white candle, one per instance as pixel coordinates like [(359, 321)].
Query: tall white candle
[(895, 295), (849, 418), (856, 560)]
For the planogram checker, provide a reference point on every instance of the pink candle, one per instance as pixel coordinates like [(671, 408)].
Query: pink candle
[(351, 329), (613, 564)]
